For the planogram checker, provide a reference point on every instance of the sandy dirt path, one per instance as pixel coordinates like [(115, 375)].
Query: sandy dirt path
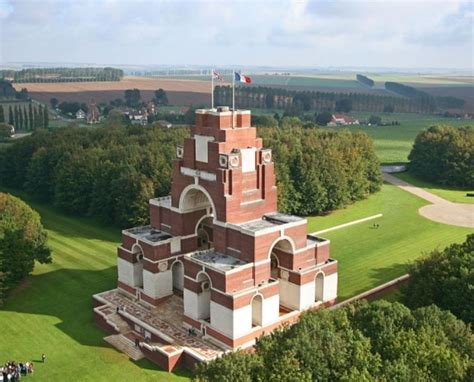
[(441, 210)]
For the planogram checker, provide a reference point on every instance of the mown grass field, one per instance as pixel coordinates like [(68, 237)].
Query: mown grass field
[(368, 256), (393, 143), (51, 312), (452, 194)]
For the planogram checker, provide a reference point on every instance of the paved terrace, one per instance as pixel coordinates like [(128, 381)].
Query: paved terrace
[(165, 319)]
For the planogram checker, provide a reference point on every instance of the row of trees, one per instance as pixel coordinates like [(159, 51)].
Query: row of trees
[(444, 155), (276, 98), (365, 80), (24, 117), (64, 74), (443, 102), (133, 98), (319, 171), (111, 172), (22, 242), (380, 341)]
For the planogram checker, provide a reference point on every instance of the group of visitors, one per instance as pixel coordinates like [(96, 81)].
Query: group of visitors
[(13, 371)]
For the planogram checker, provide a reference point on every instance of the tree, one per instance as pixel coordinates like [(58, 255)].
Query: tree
[(344, 105), (444, 155), (16, 118), (161, 97), (31, 120), (444, 278), (54, 102), (45, 117), (380, 341), (375, 120), (11, 120), (22, 239), (2, 115), (6, 130), (323, 118), (132, 97)]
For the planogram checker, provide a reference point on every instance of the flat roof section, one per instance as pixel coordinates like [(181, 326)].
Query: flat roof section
[(270, 220), (217, 260), (148, 233)]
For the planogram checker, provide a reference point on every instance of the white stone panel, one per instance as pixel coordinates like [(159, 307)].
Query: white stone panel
[(271, 310), (157, 285), (190, 302), (306, 295), (204, 304), (222, 319), (242, 321), (330, 287), (175, 244), (125, 271), (201, 142), (289, 294), (248, 159)]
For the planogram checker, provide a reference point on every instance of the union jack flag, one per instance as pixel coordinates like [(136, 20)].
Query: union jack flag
[(216, 75)]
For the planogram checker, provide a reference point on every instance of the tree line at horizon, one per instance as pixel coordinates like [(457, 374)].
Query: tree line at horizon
[(303, 101), (63, 74), (25, 118), (112, 172)]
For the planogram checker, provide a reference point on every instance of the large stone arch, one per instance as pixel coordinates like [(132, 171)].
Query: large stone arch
[(177, 273), (257, 309), (195, 197)]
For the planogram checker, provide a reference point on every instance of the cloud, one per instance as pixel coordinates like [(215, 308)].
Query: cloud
[(284, 33)]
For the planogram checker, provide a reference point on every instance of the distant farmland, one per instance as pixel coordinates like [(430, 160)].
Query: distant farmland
[(180, 92)]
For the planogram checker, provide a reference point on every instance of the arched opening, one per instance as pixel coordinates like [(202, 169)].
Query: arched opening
[(274, 267), (195, 197), (204, 296), (205, 233), (177, 271), (257, 310), (281, 254), (138, 267), (319, 287)]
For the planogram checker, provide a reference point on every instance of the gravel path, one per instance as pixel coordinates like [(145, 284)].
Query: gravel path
[(441, 210)]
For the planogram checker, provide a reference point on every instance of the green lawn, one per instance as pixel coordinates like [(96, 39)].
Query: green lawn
[(369, 257), (393, 143), (449, 193), (52, 311)]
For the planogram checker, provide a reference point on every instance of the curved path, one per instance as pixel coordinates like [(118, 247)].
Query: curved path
[(441, 210)]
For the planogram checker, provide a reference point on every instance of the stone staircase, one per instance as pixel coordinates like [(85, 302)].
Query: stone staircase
[(119, 322), (122, 343)]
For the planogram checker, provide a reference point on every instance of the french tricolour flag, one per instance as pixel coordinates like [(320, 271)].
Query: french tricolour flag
[(241, 78)]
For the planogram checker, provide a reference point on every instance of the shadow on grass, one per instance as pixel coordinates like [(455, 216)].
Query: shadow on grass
[(67, 295), (68, 225)]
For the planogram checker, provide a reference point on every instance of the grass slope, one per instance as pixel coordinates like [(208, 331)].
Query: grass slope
[(52, 312), (449, 193), (393, 143), (369, 257)]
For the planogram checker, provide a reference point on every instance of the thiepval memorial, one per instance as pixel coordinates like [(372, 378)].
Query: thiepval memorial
[(218, 266)]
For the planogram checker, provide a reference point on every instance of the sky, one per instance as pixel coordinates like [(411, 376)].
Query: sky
[(357, 33)]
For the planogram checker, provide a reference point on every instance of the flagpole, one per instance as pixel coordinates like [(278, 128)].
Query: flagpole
[(212, 88), (233, 96)]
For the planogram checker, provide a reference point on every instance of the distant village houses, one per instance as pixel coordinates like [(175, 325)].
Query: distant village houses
[(342, 120), (80, 114)]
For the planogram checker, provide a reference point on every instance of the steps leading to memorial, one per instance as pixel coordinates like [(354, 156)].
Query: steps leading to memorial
[(119, 322), (122, 343)]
